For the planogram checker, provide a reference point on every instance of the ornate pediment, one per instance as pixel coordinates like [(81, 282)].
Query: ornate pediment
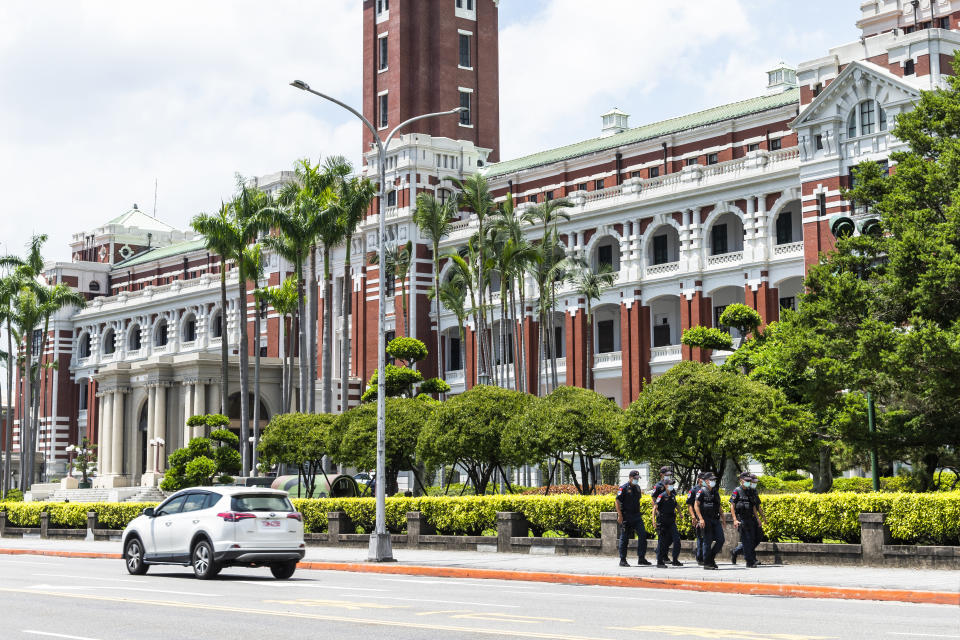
[(857, 82)]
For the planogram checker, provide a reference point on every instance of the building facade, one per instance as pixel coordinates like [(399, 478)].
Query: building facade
[(727, 205)]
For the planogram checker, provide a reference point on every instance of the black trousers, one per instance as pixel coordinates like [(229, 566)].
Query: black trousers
[(749, 539), (713, 540), (667, 537), (633, 525)]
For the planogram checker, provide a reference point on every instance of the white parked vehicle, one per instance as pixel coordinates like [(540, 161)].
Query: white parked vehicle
[(210, 528)]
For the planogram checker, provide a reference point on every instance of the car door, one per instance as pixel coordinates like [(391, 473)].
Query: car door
[(162, 523), (186, 523)]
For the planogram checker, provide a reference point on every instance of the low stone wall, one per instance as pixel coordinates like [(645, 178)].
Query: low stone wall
[(513, 536)]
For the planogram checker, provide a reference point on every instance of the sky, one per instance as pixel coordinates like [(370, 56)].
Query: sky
[(103, 104)]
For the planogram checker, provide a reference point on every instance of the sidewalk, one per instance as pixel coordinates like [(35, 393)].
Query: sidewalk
[(907, 585)]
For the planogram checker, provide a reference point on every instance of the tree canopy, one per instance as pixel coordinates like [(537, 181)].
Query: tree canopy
[(297, 439)]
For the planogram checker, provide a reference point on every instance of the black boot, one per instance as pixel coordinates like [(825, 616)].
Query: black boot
[(643, 562), (733, 557), (624, 563)]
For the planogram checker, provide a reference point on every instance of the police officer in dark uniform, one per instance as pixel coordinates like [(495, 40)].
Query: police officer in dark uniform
[(746, 510), (666, 472), (698, 530), (707, 508), (665, 522), (630, 520)]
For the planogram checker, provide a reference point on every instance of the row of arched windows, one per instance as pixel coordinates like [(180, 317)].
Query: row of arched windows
[(134, 343)]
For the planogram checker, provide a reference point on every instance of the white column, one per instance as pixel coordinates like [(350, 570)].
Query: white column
[(116, 441), (199, 407), (215, 397), (151, 407), (187, 411), (159, 427), (106, 427)]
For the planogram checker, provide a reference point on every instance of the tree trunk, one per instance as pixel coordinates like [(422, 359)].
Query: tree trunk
[(345, 304), (436, 299), (589, 346), (515, 342), (256, 385), (823, 475), (244, 376), (502, 333), (26, 435), (312, 336), (8, 444), (303, 355), (554, 380), (463, 349), (224, 345), (327, 391), (284, 388)]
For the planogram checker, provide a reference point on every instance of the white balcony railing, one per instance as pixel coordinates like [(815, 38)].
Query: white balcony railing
[(670, 353), (734, 257), (613, 359), (660, 269), (794, 248)]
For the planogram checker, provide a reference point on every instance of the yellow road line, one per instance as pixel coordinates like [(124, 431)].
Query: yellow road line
[(526, 633), (343, 604), (703, 632)]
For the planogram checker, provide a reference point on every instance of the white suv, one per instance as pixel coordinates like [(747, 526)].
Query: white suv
[(215, 527)]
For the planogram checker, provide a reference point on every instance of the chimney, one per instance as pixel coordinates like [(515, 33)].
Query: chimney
[(614, 122)]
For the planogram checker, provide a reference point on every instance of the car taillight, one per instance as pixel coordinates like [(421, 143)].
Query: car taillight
[(232, 516), (295, 516)]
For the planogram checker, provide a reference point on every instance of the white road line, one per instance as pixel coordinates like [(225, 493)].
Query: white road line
[(42, 564), (451, 583), (64, 575), (39, 587), (56, 635), (920, 635), (302, 585), (581, 595), (474, 603)]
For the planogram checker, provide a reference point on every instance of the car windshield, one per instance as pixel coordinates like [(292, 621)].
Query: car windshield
[(260, 502)]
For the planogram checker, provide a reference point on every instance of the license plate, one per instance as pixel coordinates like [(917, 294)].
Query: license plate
[(271, 525)]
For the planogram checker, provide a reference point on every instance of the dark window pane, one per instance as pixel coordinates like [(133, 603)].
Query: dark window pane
[(660, 249), (788, 303), (661, 335), (785, 228), (464, 50), (775, 144), (718, 237), (605, 255), (717, 312), (605, 340), (260, 502), (654, 172), (465, 103), (455, 363), (383, 52)]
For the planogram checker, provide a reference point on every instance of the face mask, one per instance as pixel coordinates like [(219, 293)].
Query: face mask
[(633, 481), (711, 483), (753, 485)]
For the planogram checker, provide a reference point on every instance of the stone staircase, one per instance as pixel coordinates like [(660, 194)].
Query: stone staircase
[(122, 494)]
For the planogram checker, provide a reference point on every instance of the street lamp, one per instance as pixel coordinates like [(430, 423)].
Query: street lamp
[(380, 549)]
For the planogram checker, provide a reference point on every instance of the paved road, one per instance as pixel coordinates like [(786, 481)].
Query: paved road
[(46, 597)]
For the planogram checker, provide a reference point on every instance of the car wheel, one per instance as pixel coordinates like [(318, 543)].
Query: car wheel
[(283, 570), (204, 564), (133, 556)]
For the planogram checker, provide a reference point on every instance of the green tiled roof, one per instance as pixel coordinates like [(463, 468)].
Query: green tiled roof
[(646, 132), (164, 252)]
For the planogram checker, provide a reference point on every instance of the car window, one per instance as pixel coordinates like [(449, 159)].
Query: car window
[(212, 499), (171, 506), (260, 502), (195, 502)]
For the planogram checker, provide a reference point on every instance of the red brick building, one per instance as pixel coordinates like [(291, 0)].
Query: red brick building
[(694, 213)]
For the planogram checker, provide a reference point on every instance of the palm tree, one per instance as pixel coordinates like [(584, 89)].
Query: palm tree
[(591, 285), (352, 202), (549, 214), (453, 296), (285, 301), (10, 285), (435, 220), (397, 266), (512, 257), (463, 273), (251, 209), (29, 313), (293, 243), (254, 267), (476, 196), (219, 238)]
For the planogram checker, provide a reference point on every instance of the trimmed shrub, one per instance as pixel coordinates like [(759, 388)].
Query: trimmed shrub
[(73, 515), (13, 495)]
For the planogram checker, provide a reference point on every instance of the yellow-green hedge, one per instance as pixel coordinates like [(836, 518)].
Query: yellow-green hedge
[(914, 518)]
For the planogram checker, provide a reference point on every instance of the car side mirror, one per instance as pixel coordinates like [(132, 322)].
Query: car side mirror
[(148, 512)]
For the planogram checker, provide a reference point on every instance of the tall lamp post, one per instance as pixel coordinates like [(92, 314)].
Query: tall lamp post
[(380, 549)]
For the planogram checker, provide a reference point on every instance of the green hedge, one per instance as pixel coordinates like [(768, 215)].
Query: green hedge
[(73, 515), (914, 518), (773, 484)]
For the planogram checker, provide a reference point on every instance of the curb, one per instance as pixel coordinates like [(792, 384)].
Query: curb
[(744, 588)]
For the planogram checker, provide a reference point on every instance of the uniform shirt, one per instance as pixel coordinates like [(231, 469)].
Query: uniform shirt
[(657, 490), (628, 496), (742, 502), (692, 494), (709, 500), (666, 507)]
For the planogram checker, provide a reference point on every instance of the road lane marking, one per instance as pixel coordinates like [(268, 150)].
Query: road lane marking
[(64, 575), (306, 585), (552, 594), (509, 617), (526, 633), (921, 635), (56, 635), (474, 603), (447, 582), (343, 604), (77, 586), (699, 632)]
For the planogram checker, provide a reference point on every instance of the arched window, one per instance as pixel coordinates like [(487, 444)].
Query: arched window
[(107, 342), (866, 118), (133, 338), (83, 348), (190, 328), (160, 334), (216, 325)]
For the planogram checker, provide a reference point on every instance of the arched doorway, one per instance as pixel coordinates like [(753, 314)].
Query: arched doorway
[(142, 436)]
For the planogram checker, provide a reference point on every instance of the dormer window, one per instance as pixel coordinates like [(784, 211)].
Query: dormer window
[(866, 118)]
